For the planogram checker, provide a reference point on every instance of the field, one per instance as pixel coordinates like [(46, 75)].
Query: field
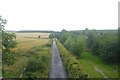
[(33, 59), (32, 35), (29, 40), (29, 46)]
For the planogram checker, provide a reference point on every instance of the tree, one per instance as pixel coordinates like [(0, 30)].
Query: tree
[(39, 36), (2, 23), (74, 43), (90, 37), (102, 43), (64, 31), (69, 43), (52, 35), (64, 37), (105, 46), (119, 44), (80, 45), (8, 42)]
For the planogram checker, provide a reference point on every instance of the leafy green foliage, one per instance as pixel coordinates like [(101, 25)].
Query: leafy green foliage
[(72, 42), (8, 42), (102, 43), (80, 45), (72, 66), (36, 64), (52, 35), (8, 58)]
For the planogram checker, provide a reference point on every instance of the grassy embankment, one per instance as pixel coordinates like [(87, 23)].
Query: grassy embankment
[(30, 48), (89, 62)]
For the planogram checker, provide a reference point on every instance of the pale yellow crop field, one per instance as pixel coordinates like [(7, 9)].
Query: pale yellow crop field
[(32, 35), (29, 40)]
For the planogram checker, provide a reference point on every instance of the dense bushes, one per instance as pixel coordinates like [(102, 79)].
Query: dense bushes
[(8, 42), (8, 58), (104, 44), (72, 66), (72, 42), (35, 65)]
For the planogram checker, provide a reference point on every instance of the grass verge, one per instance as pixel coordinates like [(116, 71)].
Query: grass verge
[(89, 61)]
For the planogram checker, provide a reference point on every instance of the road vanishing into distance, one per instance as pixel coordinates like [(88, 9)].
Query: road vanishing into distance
[(57, 68)]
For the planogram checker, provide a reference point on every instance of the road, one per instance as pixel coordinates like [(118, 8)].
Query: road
[(57, 68)]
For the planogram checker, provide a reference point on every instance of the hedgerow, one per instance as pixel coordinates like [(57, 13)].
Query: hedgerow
[(72, 66)]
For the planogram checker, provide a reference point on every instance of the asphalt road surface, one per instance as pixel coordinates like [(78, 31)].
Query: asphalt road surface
[(57, 68)]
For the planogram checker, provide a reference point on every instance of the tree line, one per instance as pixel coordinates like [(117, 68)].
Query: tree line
[(102, 43)]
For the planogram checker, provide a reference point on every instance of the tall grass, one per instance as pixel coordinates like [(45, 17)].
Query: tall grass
[(26, 49)]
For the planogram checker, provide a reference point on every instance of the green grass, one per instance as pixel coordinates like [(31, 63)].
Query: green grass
[(88, 62)]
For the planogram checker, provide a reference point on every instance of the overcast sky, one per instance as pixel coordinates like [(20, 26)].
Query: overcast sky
[(59, 14)]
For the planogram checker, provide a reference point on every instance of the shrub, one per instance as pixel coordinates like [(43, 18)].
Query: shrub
[(8, 58), (34, 65)]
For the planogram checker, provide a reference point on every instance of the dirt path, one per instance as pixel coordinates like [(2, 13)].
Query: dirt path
[(100, 71), (57, 68), (21, 75)]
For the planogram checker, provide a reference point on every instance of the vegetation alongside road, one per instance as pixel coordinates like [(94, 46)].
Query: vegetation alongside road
[(29, 51), (96, 50), (39, 64), (103, 44), (73, 67), (90, 64)]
